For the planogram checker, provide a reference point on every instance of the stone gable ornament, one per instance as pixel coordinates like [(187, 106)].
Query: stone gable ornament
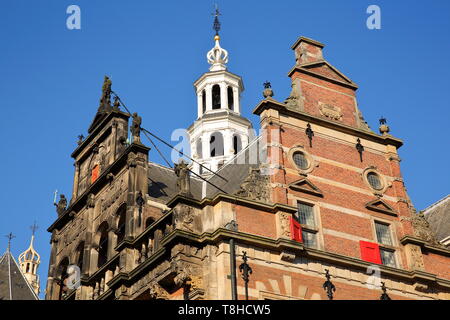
[(421, 228), (268, 92), (255, 186), (293, 99)]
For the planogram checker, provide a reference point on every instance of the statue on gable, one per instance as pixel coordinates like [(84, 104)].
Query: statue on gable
[(183, 181), (136, 128), (61, 205), (105, 100)]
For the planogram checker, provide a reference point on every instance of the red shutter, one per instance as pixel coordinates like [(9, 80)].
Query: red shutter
[(296, 230), (94, 175), (370, 252)]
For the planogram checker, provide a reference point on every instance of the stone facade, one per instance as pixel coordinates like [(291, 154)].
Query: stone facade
[(176, 244)]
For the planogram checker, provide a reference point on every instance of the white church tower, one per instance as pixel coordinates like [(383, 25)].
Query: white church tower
[(220, 131)]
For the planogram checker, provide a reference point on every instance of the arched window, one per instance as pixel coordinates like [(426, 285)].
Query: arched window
[(122, 213), (216, 97), (230, 98), (61, 277), (237, 144), (102, 244), (199, 148), (216, 144), (204, 101), (148, 222)]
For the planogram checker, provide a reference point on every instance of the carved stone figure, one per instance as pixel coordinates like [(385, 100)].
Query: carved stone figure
[(293, 99), (62, 205), (90, 203), (136, 128), (183, 181), (105, 100), (183, 217), (255, 186), (157, 292)]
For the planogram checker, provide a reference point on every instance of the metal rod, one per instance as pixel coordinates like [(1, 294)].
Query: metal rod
[(180, 152), (233, 270)]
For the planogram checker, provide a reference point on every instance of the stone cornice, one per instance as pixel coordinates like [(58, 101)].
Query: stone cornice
[(278, 245), (224, 72), (283, 109), (307, 40), (425, 246), (233, 199)]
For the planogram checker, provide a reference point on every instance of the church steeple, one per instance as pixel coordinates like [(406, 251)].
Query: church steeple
[(219, 132), (29, 261)]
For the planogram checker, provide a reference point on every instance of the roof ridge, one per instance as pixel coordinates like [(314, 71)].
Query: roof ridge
[(437, 203)]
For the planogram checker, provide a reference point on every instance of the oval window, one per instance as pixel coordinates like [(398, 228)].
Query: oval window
[(300, 160), (374, 181)]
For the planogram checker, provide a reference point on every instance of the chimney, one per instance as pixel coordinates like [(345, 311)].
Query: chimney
[(307, 50)]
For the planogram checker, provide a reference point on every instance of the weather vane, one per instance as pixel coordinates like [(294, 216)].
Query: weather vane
[(34, 227), (216, 15), (10, 236)]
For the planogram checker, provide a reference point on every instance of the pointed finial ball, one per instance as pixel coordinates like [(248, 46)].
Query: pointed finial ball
[(216, 37), (268, 92), (384, 128)]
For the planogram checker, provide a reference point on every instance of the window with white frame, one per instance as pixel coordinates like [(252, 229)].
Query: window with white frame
[(384, 237), (305, 216)]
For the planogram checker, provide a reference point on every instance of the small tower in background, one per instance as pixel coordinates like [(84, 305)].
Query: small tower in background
[(29, 261)]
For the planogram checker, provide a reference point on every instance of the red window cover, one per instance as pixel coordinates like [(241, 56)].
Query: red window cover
[(296, 230), (370, 252), (94, 175)]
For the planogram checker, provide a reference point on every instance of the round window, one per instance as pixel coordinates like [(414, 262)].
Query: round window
[(300, 160), (374, 181)]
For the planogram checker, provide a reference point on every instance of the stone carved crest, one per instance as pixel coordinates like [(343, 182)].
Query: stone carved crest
[(157, 292), (255, 186), (421, 228), (183, 217), (185, 273), (285, 225), (416, 258), (330, 111)]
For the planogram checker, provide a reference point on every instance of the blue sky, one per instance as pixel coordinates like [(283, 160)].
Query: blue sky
[(51, 77)]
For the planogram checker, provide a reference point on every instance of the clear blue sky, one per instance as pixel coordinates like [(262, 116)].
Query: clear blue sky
[(51, 78)]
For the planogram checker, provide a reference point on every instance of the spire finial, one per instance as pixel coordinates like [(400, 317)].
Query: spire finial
[(10, 236), (33, 228), (216, 25), (217, 56)]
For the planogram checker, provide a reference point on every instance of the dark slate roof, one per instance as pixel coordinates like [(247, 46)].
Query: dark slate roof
[(12, 281), (438, 216), (163, 180), (163, 183), (235, 172)]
